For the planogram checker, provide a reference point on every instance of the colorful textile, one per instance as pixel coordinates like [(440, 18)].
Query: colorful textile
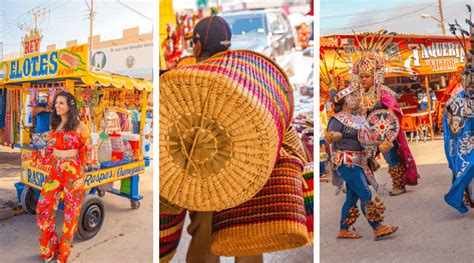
[(66, 180), (458, 145), (308, 193), (171, 227), (403, 153)]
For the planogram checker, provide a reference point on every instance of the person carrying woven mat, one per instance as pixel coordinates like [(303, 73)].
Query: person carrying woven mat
[(351, 145), (211, 35)]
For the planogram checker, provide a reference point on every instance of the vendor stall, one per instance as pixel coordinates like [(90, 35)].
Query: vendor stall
[(113, 107)]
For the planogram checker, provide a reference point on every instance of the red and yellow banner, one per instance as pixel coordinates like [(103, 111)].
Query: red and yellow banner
[(62, 63)]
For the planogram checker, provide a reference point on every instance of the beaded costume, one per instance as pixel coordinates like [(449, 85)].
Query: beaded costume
[(458, 132), (402, 167)]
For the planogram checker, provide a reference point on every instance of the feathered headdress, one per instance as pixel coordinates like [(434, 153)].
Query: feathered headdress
[(375, 52), (332, 72)]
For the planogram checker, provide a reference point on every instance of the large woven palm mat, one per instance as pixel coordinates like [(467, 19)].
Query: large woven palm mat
[(273, 220), (221, 126)]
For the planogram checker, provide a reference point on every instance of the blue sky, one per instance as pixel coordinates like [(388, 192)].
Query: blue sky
[(68, 20), (401, 16)]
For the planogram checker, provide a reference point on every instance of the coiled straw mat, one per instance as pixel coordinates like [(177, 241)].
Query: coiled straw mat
[(222, 122), (273, 220), (171, 226)]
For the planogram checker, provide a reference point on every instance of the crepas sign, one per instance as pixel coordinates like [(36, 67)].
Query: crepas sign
[(67, 62), (35, 176)]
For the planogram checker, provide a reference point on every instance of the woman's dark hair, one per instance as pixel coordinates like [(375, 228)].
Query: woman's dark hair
[(73, 116)]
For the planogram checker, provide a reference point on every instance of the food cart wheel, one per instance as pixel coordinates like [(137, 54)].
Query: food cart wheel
[(101, 193), (135, 204), (29, 200), (92, 217)]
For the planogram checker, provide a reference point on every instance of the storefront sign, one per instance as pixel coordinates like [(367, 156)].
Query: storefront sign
[(67, 62), (35, 175), (134, 59), (438, 57), (417, 55), (32, 43)]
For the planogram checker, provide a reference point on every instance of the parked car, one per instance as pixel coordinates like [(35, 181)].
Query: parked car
[(267, 31)]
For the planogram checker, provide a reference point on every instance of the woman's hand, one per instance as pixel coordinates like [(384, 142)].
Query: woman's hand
[(385, 146), (333, 136)]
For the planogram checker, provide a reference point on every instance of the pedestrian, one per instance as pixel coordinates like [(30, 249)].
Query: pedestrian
[(351, 143), (65, 152), (211, 35), (458, 123), (367, 78)]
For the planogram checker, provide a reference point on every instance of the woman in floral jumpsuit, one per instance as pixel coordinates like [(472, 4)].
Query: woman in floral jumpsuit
[(65, 152)]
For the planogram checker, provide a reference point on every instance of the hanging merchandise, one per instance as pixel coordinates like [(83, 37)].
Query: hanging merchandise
[(78, 94), (136, 122), (95, 97), (28, 113), (111, 121), (33, 96), (3, 108), (52, 95), (16, 117)]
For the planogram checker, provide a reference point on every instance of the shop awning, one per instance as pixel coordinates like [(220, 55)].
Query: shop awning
[(116, 81)]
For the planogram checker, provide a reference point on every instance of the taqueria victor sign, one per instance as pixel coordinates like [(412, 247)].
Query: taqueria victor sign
[(416, 55)]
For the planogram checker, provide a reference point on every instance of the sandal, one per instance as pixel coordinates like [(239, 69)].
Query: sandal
[(348, 234), (383, 230)]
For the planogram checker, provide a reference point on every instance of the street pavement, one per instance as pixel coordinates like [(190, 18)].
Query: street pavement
[(126, 235), (429, 229)]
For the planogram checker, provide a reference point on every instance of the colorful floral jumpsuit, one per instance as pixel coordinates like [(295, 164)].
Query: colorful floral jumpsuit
[(65, 180)]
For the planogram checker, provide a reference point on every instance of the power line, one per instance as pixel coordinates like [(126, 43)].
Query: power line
[(52, 6), (369, 13), (135, 11), (7, 28), (381, 21)]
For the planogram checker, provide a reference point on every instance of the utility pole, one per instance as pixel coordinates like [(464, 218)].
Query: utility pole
[(441, 16), (91, 19), (36, 13)]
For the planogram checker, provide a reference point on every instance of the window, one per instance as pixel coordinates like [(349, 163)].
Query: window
[(246, 25)]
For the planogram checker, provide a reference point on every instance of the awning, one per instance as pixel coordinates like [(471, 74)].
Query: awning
[(116, 81)]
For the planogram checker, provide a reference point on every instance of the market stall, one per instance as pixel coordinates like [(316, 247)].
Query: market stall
[(113, 107)]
